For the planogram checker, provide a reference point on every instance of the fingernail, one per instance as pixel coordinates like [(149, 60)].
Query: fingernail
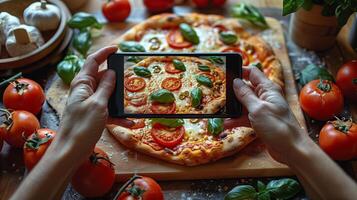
[(238, 82)]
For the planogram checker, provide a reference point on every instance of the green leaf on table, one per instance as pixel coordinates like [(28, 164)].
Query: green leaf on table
[(250, 13), (82, 42), (313, 72), (172, 123), (242, 192), (291, 6), (283, 188), (261, 186), (69, 67), (264, 195), (83, 20)]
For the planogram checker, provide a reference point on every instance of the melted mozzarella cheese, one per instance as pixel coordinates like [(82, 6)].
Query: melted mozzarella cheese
[(195, 131)]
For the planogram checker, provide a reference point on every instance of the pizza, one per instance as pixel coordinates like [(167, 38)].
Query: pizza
[(192, 142), (175, 85)]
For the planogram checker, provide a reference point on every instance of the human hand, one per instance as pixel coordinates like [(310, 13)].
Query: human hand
[(269, 113)]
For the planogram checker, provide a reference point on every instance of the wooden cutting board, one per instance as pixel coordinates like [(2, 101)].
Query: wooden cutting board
[(253, 161)]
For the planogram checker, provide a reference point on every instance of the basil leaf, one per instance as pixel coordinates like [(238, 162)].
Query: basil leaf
[(172, 123), (189, 33), (179, 65), (204, 68), (249, 13), (261, 186), (290, 6), (69, 67), (242, 192), (313, 72), (264, 196), (284, 188), (83, 20), (196, 97), (216, 60), (131, 46), (215, 126), (204, 80), (162, 96), (82, 42), (142, 71), (134, 59), (228, 37)]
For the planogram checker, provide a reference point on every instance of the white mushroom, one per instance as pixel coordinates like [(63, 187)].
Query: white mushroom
[(7, 22)]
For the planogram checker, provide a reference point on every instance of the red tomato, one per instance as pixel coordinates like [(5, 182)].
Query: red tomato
[(148, 187), (242, 53), (139, 123), (138, 102), (167, 137), (171, 84), (18, 126), (205, 3), (158, 108), (346, 80), (176, 40), (116, 10), (321, 99), (96, 176), (170, 68), (24, 94), (159, 5), (339, 139), (134, 84), (36, 146)]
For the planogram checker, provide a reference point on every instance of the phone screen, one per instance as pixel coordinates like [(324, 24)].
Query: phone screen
[(174, 85)]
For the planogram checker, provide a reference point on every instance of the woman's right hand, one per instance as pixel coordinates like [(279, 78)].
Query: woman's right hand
[(269, 114)]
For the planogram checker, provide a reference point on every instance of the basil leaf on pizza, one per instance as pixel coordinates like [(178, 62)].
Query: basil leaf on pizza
[(134, 59), (162, 96), (172, 123), (179, 65), (204, 80), (228, 37), (189, 33), (204, 68), (215, 126), (216, 60), (196, 97), (142, 71), (131, 46)]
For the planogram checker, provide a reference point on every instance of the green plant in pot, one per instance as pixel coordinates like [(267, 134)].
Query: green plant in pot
[(316, 23)]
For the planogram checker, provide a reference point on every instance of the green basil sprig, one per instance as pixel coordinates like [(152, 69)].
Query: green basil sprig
[(215, 126), (68, 68), (162, 96), (204, 80), (172, 123), (204, 68), (179, 65), (131, 46), (82, 41), (250, 13), (189, 33), (134, 59), (142, 71), (196, 97), (228, 37), (283, 189), (216, 60), (313, 72), (83, 20)]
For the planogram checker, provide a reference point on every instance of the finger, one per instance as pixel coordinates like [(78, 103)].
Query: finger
[(255, 76), (93, 61), (105, 87), (245, 94), (236, 122), (120, 122)]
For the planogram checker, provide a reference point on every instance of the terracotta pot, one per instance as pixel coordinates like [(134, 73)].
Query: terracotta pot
[(311, 30), (74, 5)]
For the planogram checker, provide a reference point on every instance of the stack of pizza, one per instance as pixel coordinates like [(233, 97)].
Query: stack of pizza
[(175, 87)]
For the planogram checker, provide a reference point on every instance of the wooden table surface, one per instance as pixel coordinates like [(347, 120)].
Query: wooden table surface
[(11, 165)]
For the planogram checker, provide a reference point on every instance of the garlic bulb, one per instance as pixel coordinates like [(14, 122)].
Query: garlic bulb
[(22, 40), (7, 22), (44, 16)]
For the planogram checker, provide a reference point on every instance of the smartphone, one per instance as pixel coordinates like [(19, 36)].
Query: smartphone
[(175, 85)]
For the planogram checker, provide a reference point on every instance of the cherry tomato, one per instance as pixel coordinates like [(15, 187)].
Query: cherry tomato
[(96, 176), (148, 187), (18, 125), (171, 84), (134, 84), (242, 53), (158, 5), (206, 3), (346, 80), (170, 68), (158, 108), (36, 146), (220, 27), (321, 99), (167, 137), (116, 10), (24, 94), (339, 139), (176, 40)]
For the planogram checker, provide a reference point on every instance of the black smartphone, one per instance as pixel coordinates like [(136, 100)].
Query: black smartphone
[(175, 85)]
